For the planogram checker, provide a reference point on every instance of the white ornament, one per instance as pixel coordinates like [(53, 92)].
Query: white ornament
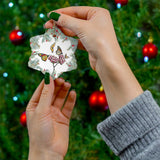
[(53, 52)]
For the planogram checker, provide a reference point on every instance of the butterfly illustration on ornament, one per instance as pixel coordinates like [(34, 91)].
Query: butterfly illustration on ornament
[(53, 59)]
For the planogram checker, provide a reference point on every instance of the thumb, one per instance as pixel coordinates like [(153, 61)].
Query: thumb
[(69, 22)]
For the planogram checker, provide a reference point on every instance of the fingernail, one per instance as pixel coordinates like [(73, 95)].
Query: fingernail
[(75, 37), (46, 78), (61, 79), (54, 16), (68, 81)]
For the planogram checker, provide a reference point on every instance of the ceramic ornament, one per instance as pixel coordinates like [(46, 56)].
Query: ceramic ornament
[(53, 52)]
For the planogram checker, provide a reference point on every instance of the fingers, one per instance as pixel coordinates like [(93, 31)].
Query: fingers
[(34, 101), (59, 82), (71, 23), (61, 95), (46, 96), (80, 12), (69, 105), (67, 32), (67, 23), (36, 95), (49, 24)]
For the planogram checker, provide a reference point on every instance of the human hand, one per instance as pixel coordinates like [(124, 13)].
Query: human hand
[(93, 26), (47, 121)]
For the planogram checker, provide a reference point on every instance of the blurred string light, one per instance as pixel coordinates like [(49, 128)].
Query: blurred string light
[(118, 5), (146, 59), (41, 15), (5, 74), (19, 33), (139, 34), (15, 98), (10, 4)]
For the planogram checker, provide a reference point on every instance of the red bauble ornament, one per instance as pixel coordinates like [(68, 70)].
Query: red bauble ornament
[(150, 50), (98, 101), (122, 2), (16, 37), (23, 119)]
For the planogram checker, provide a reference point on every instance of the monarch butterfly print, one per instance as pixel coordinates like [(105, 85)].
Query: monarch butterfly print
[(43, 56), (52, 47), (66, 56), (59, 51)]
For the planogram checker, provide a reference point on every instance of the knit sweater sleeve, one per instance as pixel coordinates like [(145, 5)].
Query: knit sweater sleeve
[(133, 132)]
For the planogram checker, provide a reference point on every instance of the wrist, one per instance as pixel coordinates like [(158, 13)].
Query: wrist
[(109, 54), (35, 154), (111, 59), (119, 83)]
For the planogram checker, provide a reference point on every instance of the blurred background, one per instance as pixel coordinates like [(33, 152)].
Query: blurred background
[(137, 25)]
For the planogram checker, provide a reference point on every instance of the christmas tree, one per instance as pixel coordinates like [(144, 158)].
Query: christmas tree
[(135, 23)]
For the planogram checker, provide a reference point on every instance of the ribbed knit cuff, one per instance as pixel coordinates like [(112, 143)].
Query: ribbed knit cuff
[(132, 122)]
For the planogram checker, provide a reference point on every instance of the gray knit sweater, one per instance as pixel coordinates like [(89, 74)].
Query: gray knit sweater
[(133, 132)]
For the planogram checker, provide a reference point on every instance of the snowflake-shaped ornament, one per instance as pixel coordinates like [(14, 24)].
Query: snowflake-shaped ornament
[(53, 52)]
